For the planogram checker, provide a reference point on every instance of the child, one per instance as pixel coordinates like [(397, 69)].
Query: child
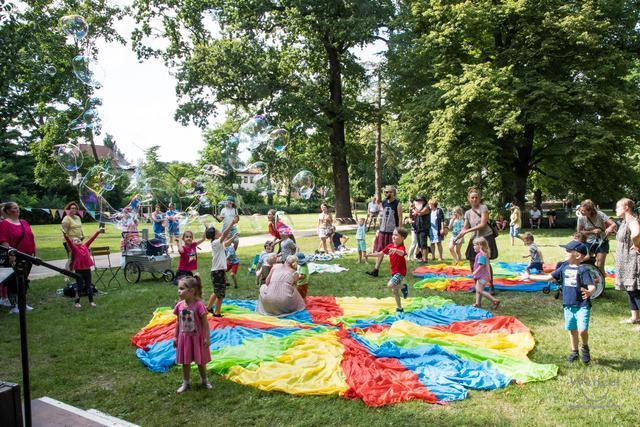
[(158, 223), (265, 269), (534, 253), (501, 223), (287, 245), (455, 225), (362, 243), (482, 272), (338, 240), (303, 275), (82, 264), (262, 258), (188, 262), (218, 266), (577, 286), (397, 254), (233, 262), (191, 337), (515, 222)]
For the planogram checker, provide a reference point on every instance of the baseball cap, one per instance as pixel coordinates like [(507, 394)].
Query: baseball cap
[(575, 246), (302, 258)]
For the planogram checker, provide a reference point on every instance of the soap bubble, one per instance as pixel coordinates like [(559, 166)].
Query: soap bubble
[(50, 70), (254, 131), (99, 180), (87, 120), (213, 170), (258, 222), (75, 26), (204, 201), (259, 168), (279, 139), (87, 70), (233, 141), (68, 156), (237, 157), (284, 217), (304, 183)]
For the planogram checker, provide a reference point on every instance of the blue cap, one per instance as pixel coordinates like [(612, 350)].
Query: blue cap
[(574, 245), (302, 258)]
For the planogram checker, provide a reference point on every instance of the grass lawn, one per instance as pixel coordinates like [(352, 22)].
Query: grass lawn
[(84, 358), (49, 237)]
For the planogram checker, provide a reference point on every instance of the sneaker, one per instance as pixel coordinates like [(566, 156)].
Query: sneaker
[(14, 310), (93, 304), (373, 273), (5, 302), (405, 291), (573, 356), (206, 384), (184, 387), (77, 305), (629, 321), (399, 310), (210, 310), (585, 355), (29, 308)]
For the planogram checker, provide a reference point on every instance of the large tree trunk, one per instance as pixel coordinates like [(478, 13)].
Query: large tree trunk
[(378, 148), (523, 164), (338, 152)]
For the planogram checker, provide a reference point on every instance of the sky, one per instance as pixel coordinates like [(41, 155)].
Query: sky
[(139, 102)]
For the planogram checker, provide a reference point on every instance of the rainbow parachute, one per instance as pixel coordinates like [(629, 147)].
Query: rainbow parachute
[(358, 348)]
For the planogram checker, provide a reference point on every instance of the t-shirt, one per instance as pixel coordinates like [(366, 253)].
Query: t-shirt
[(335, 238), (218, 256), (81, 255), (273, 228), (398, 262), (189, 316), (535, 213), (361, 232), (73, 225), (189, 257), (374, 207), (485, 271), (287, 247), (227, 215), (10, 233), (474, 217), (600, 223), (158, 228), (303, 269), (535, 253), (572, 278), (456, 227), (172, 223), (232, 258)]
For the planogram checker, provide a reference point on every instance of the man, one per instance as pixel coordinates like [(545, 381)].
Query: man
[(373, 211), (390, 219)]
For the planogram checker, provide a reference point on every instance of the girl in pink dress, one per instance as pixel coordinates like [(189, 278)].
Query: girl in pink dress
[(192, 331)]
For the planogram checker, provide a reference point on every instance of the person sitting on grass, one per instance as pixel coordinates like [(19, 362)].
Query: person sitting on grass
[(338, 240), (577, 286), (82, 264), (287, 245), (397, 259), (218, 266), (482, 272), (535, 263), (262, 259)]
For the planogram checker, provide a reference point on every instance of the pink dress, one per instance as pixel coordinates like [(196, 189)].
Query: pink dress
[(191, 346), (280, 297)]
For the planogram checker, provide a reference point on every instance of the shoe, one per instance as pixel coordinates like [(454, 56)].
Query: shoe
[(184, 387), (4, 302), (14, 310), (630, 321), (585, 355), (373, 273), (399, 310), (210, 310), (77, 305), (495, 304), (206, 384), (405, 291), (93, 304), (29, 308), (217, 315), (573, 356)]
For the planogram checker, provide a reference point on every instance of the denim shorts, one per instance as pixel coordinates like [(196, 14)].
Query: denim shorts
[(514, 231), (396, 280), (537, 266), (362, 245), (596, 248), (576, 318)]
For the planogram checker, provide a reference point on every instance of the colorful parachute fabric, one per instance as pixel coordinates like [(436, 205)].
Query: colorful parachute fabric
[(360, 349)]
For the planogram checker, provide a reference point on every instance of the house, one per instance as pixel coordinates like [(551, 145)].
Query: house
[(249, 178)]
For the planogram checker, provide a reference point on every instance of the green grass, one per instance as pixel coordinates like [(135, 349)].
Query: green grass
[(84, 358)]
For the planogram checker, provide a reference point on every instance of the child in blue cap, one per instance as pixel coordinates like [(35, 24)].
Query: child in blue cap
[(303, 273), (577, 286)]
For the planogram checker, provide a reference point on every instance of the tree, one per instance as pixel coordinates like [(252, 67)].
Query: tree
[(288, 57), (506, 95)]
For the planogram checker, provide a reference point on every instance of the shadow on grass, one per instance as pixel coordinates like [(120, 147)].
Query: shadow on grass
[(620, 364)]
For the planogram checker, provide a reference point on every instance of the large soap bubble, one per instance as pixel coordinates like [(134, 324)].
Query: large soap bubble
[(254, 131), (260, 169), (213, 170), (69, 156), (50, 70), (74, 25), (87, 70), (238, 156), (87, 120), (304, 183), (99, 180), (279, 139)]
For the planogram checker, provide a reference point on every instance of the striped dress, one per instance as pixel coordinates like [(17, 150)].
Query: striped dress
[(280, 297)]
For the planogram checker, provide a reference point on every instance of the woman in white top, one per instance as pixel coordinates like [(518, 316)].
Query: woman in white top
[(227, 215), (325, 223)]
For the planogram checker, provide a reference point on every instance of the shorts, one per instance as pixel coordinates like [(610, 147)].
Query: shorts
[(219, 282), (174, 230), (537, 266), (514, 231), (421, 237), (396, 281), (599, 248), (323, 232), (362, 246), (233, 268), (576, 318)]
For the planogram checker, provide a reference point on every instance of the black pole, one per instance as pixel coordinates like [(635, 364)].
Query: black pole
[(20, 269)]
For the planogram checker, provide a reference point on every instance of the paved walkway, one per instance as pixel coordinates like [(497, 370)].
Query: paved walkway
[(40, 272)]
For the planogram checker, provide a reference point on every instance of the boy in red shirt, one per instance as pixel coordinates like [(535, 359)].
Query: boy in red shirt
[(82, 264), (397, 258)]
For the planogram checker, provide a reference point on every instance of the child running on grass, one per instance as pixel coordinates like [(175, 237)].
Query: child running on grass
[(188, 262), (218, 266), (82, 264), (577, 286), (361, 234), (535, 263), (397, 259), (482, 272), (191, 337)]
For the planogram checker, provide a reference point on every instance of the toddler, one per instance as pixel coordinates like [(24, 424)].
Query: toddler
[(482, 272), (397, 259), (82, 264), (535, 263), (188, 262), (455, 225), (362, 243), (303, 275)]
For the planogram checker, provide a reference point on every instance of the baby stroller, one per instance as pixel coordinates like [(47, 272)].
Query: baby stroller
[(150, 256)]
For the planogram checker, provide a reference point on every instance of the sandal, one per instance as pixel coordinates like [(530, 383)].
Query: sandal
[(495, 304), (476, 305)]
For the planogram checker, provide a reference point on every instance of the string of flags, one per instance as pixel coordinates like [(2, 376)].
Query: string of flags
[(61, 212)]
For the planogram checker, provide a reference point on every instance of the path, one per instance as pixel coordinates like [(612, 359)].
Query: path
[(40, 272)]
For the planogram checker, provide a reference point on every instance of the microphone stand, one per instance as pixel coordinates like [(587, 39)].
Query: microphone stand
[(21, 268)]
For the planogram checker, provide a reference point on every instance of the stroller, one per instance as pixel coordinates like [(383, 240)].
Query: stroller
[(150, 256)]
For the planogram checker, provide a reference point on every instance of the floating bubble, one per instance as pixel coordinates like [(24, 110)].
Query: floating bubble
[(204, 202), (238, 157), (50, 70), (284, 217), (99, 180), (68, 156), (233, 141), (75, 26), (257, 222), (87, 120), (87, 70), (279, 139), (260, 169), (213, 170), (254, 131), (304, 183)]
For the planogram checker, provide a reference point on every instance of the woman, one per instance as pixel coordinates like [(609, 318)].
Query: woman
[(436, 228), (552, 217), (16, 233), (628, 258), (373, 210), (390, 218), (279, 296), (596, 227), (158, 224), (325, 224), (227, 214), (173, 225), (476, 221), (71, 226)]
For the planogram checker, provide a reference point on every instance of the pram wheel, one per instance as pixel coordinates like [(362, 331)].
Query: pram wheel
[(598, 280), (168, 276), (132, 272), (546, 290)]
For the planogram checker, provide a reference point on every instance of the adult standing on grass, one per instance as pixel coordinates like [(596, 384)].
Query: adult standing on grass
[(436, 228), (373, 210), (16, 233), (476, 221), (515, 221), (325, 224), (390, 219), (71, 226), (173, 225), (596, 227), (628, 258)]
